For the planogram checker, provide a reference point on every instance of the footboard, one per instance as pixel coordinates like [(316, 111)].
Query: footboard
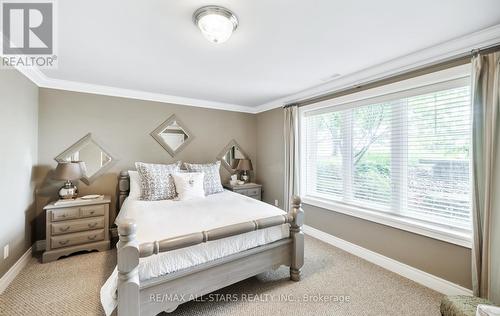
[(257, 260)]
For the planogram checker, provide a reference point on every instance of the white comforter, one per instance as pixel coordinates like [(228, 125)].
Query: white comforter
[(158, 220)]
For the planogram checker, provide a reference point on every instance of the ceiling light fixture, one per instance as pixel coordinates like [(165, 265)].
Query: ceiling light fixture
[(216, 23)]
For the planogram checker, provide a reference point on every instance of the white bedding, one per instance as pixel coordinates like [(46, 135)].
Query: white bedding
[(158, 220)]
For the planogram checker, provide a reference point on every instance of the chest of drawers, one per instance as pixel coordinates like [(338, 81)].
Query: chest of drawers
[(252, 190), (78, 226)]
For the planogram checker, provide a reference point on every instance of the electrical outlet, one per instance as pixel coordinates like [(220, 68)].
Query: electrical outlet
[(276, 203), (6, 251)]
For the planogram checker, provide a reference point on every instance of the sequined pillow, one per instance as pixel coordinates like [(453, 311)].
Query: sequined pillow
[(211, 183), (156, 180)]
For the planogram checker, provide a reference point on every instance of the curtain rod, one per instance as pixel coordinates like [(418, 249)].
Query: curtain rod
[(454, 61)]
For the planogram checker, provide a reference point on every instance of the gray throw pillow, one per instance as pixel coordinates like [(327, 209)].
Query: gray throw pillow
[(212, 183), (156, 180)]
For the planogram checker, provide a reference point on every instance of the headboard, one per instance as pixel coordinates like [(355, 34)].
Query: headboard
[(123, 188)]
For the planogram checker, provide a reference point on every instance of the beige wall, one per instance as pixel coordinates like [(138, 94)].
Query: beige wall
[(123, 126), (18, 139), (271, 150), (448, 261), (445, 260)]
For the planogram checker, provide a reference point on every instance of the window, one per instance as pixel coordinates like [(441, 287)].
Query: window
[(405, 155)]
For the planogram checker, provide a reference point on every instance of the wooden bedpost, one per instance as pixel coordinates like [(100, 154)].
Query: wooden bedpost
[(128, 275), (123, 188), (298, 239)]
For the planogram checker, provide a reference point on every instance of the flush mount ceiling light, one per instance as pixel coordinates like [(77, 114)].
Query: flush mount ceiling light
[(216, 23)]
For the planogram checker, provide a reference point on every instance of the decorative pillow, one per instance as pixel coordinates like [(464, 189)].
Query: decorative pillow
[(212, 183), (156, 180), (135, 185), (189, 185)]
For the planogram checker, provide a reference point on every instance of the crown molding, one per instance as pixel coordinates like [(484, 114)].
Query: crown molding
[(457, 46), (33, 74), (74, 86), (43, 81), (427, 56)]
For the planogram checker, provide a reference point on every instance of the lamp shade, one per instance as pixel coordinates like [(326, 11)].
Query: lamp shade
[(244, 165), (68, 171)]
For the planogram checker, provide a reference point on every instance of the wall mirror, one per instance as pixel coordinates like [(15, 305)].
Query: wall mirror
[(230, 156), (96, 158), (172, 135)]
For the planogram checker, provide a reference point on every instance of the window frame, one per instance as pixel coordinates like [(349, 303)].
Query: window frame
[(442, 80)]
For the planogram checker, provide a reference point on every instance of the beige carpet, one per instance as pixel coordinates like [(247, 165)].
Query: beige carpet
[(71, 286)]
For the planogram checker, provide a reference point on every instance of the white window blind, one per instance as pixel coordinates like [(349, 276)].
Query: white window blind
[(407, 154)]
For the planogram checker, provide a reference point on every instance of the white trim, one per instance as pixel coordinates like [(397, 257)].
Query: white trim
[(139, 95), (11, 274), (43, 81), (452, 236), (418, 59), (33, 74), (440, 80), (430, 55), (426, 279)]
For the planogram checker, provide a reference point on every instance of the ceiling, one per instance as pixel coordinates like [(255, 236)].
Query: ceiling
[(280, 48)]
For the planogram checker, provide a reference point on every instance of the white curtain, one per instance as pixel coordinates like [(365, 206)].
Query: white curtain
[(291, 154), (486, 174)]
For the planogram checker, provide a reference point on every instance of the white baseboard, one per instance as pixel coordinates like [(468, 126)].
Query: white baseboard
[(426, 279), (10, 275)]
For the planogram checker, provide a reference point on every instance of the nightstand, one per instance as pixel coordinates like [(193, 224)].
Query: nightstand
[(252, 190), (76, 226)]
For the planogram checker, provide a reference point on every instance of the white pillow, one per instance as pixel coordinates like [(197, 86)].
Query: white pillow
[(189, 185), (135, 185)]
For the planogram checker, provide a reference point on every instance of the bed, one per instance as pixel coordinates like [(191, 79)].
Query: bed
[(170, 252)]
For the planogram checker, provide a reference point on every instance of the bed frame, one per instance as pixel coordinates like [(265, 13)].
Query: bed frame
[(165, 293)]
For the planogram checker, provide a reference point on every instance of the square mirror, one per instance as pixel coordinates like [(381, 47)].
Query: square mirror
[(96, 158), (172, 135), (230, 156)]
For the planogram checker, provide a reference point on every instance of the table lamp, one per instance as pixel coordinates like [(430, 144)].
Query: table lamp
[(69, 171), (245, 165)]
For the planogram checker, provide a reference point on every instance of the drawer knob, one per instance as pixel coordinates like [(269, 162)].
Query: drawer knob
[(62, 215), (63, 229), (63, 242), (92, 237), (91, 212), (92, 225)]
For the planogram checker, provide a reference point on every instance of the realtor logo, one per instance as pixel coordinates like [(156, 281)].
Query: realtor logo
[(27, 28)]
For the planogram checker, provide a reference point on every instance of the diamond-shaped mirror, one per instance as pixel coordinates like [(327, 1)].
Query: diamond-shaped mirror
[(96, 158), (172, 135), (230, 156)]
